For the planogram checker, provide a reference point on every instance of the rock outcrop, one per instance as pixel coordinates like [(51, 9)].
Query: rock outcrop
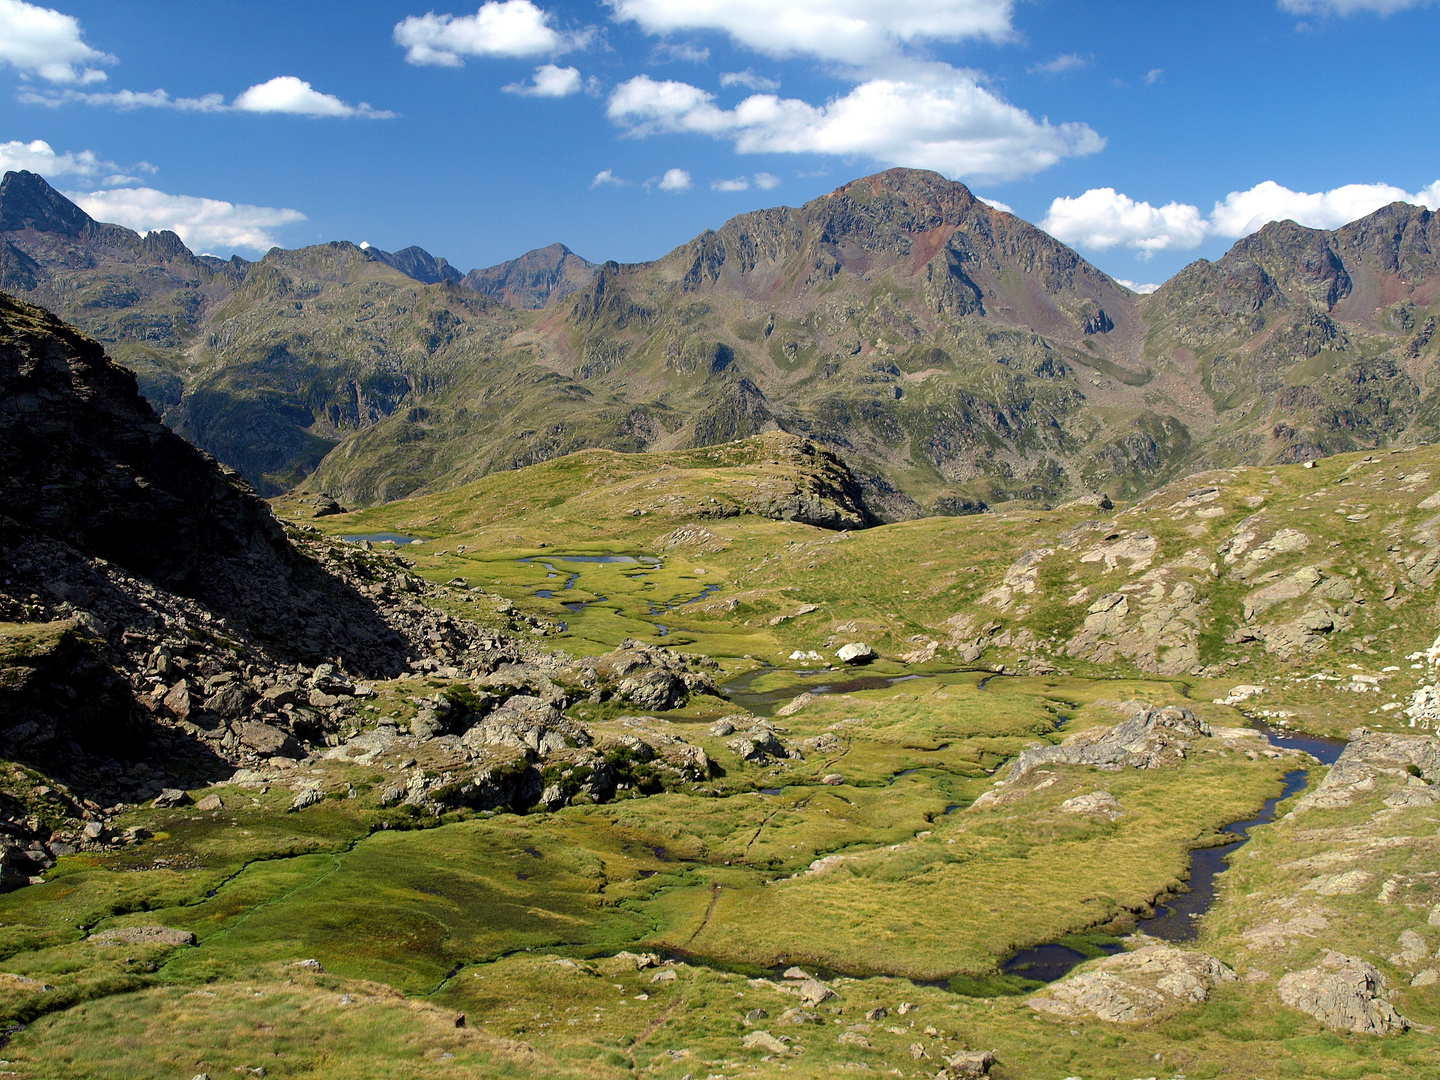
[(1344, 993), (1134, 987), (1153, 737)]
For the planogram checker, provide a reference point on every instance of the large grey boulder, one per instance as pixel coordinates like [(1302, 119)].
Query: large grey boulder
[(857, 652), (1344, 993)]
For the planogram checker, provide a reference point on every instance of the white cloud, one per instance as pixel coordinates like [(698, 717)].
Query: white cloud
[(996, 203), (763, 180), (39, 157), (1153, 76), (684, 52), (1349, 7), (287, 94), (124, 100), (606, 177), (41, 41), (202, 223), (549, 81), (1060, 65), (1103, 218), (749, 80), (1144, 290), (944, 121), (1244, 212), (852, 31), (283, 94), (515, 28), (675, 180)]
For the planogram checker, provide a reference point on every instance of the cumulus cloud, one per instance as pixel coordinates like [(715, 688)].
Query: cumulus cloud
[(1103, 218), (513, 28), (1244, 212), (675, 180), (41, 41), (1060, 65), (950, 124), (749, 80), (606, 177), (1145, 289), (1349, 7), (851, 31), (203, 224), (40, 157), (766, 181), (549, 81), (996, 203), (283, 94), (287, 94)]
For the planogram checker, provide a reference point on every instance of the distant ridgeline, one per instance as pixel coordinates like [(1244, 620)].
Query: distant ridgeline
[(952, 354)]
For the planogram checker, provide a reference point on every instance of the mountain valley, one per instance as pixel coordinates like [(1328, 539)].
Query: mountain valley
[(868, 639)]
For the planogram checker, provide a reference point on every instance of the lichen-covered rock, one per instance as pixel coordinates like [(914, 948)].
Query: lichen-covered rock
[(1344, 993), (1152, 738), (1135, 986)]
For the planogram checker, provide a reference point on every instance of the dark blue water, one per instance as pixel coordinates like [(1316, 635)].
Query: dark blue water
[(383, 537)]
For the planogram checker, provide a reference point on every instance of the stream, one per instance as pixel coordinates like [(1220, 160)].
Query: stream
[(1176, 918)]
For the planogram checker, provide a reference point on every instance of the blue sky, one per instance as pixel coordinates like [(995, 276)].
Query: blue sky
[(1146, 134)]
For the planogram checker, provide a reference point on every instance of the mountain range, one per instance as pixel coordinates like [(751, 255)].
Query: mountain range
[(951, 353)]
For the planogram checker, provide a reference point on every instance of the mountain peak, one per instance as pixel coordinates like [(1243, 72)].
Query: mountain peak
[(535, 278), (28, 202)]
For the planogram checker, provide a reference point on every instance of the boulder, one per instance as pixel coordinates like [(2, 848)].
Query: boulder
[(763, 1040), (267, 740), (814, 992), (970, 1064), (210, 802), (857, 652), (170, 797), (1345, 993), (1097, 802), (308, 797)]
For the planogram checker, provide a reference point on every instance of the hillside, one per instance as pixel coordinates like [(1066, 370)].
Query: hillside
[(951, 353)]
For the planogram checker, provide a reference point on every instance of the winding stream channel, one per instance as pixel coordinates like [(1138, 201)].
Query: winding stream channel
[(1176, 918)]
